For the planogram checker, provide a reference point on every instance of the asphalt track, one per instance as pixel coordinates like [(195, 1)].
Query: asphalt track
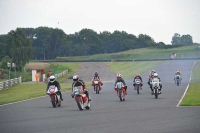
[(138, 114)]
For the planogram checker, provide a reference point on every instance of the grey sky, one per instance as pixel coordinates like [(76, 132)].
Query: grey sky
[(159, 19)]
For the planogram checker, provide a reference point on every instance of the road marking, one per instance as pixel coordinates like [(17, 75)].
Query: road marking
[(186, 87), (27, 99)]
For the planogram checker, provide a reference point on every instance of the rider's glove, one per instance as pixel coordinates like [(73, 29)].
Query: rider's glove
[(72, 95)]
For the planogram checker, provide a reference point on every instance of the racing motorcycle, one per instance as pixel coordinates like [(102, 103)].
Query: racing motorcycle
[(177, 79), (54, 95), (96, 83), (155, 86), (81, 98), (120, 88), (137, 85)]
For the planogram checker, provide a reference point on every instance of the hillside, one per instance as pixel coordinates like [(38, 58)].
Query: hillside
[(143, 53)]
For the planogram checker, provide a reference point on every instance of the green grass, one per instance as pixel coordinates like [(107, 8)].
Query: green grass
[(143, 53), (192, 97), (130, 69)]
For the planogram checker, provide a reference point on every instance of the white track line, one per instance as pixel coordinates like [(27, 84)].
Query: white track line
[(27, 100), (186, 87)]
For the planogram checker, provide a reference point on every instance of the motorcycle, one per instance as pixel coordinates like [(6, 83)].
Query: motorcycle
[(96, 83), (155, 86), (54, 95), (120, 88), (81, 98), (177, 79), (137, 86)]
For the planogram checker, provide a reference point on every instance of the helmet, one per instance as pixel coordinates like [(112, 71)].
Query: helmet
[(138, 75), (153, 70), (95, 74), (119, 75), (155, 75), (52, 79), (75, 78)]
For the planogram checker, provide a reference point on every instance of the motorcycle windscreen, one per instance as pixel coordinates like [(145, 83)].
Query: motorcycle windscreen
[(137, 81), (119, 85), (77, 90)]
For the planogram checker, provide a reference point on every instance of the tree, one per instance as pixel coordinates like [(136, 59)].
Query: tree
[(4, 61), (176, 39), (186, 40), (21, 48)]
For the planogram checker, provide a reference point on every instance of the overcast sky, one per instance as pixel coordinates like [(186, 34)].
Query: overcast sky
[(159, 19)]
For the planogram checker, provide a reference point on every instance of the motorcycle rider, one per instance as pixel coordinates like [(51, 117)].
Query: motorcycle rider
[(96, 77), (120, 79), (79, 82), (178, 73), (137, 77), (155, 75), (151, 76), (52, 81)]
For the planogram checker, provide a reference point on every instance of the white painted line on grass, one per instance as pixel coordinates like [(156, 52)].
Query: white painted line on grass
[(186, 87)]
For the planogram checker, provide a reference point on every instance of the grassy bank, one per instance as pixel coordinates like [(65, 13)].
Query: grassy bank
[(192, 97), (143, 53), (130, 69)]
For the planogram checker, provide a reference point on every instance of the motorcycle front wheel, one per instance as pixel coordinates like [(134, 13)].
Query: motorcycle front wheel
[(53, 101), (80, 103), (177, 82), (156, 93), (97, 89), (138, 89), (120, 95)]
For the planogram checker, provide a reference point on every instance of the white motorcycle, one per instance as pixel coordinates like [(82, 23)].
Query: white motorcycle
[(155, 86)]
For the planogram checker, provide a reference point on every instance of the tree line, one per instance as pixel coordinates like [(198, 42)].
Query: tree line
[(44, 43)]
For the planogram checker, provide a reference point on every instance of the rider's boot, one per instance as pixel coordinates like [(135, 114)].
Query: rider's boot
[(151, 91), (61, 97)]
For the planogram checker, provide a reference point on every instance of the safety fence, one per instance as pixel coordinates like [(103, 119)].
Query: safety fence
[(9, 83), (61, 74), (57, 75)]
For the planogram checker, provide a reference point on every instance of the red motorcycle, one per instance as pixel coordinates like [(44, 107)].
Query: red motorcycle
[(81, 98), (121, 92), (54, 95), (97, 85)]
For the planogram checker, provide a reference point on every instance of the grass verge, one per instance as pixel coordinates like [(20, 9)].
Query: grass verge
[(192, 97), (130, 69)]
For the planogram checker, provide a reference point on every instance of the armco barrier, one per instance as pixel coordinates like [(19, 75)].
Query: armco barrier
[(9, 83)]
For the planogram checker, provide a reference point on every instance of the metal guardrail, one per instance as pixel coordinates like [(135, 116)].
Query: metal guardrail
[(58, 75), (9, 83), (61, 74)]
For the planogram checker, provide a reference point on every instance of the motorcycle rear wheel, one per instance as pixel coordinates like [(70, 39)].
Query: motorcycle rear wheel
[(88, 107)]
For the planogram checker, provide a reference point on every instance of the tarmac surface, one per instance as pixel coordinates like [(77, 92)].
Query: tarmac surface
[(139, 113)]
